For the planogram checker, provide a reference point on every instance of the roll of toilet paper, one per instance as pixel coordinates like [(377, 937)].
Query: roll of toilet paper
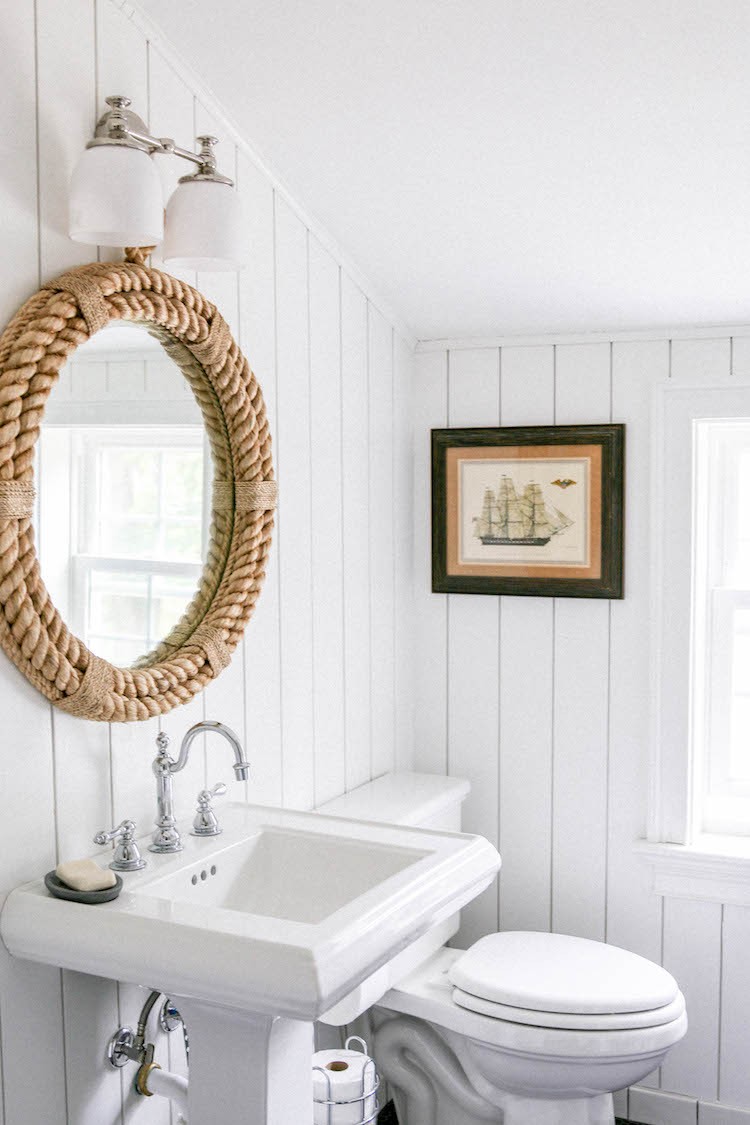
[(346, 1075)]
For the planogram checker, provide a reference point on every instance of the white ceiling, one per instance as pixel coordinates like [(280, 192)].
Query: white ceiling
[(503, 166)]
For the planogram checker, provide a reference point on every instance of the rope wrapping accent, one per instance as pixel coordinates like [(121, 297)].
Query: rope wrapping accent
[(212, 643), (36, 343), (88, 295), (96, 682), (16, 499), (245, 496)]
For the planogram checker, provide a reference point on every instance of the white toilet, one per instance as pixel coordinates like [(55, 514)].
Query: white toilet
[(523, 1028)]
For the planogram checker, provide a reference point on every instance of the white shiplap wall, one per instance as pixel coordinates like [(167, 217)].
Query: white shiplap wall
[(320, 688), (544, 703)]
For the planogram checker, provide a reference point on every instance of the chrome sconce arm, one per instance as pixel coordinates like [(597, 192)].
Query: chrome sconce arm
[(120, 125)]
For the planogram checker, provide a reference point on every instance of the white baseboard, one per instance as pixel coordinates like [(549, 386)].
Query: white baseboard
[(712, 1113), (658, 1107)]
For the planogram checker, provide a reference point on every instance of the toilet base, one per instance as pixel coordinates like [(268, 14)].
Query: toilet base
[(520, 1111), (430, 1086)]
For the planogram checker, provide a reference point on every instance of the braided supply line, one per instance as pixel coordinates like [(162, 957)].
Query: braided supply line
[(60, 317)]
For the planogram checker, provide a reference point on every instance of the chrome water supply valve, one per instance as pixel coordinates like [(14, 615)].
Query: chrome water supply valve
[(127, 855), (205, 822)]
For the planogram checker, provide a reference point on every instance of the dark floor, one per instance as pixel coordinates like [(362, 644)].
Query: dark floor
[(387, 1116)]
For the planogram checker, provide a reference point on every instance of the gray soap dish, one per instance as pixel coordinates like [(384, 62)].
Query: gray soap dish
[(56, 887)]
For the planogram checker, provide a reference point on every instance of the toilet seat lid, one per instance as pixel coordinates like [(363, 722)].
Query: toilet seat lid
[(561, 973), (573, 1021)]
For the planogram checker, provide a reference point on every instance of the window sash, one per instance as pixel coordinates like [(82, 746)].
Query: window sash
[(676, 753)]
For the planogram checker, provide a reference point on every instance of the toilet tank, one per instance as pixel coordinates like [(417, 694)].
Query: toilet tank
[(414, 800), (417, 800)]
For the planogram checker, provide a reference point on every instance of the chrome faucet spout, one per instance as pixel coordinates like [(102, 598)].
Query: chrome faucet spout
[(240, 766)]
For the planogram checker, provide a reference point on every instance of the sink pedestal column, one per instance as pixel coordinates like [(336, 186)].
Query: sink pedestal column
[(245, 1068)]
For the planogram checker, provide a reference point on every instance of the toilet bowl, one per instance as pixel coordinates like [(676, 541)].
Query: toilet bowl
[(525, 1029)]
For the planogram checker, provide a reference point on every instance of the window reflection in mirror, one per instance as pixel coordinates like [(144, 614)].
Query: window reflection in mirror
[(123, 480)]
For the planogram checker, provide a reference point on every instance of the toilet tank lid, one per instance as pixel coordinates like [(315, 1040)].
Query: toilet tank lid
[(561, 973), (399, 798)]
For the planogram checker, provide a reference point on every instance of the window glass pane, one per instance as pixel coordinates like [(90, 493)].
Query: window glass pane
[(118, 604), (739, 761), (129, 538), (183, 540), (129, 480), (743, 496), (170, 596), (117, 651), (741, 652), (721, 623), (183, 481)]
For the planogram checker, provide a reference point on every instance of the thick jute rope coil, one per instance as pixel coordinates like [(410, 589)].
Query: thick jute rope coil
[(33, 348)]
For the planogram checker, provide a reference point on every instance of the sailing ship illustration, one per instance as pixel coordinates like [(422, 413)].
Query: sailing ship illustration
[(508, 519)]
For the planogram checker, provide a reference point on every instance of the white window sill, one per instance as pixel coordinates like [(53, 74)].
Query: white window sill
[(714, 869)]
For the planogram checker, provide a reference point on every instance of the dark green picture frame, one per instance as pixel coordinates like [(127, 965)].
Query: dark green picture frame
[(609, 581)]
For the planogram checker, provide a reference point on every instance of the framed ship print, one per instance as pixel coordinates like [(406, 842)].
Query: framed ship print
[(534, 510)]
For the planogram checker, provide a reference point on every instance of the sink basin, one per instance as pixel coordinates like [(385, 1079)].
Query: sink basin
[(284, 913), (290, 874)]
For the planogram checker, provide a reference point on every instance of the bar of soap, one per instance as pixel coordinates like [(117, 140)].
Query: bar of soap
[(85, 875)]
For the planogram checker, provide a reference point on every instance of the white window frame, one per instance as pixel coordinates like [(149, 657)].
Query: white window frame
[(82, 504), (686, 863)]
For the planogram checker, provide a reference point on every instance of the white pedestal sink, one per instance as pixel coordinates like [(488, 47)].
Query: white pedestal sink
[(255, 934)]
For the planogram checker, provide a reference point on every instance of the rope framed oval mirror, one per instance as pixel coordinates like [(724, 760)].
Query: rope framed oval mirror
[(45, 331)]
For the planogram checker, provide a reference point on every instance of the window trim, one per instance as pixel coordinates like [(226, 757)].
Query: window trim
[(684, 863)]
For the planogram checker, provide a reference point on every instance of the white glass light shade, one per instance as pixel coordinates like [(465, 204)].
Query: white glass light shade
[(116, 198), (203, 227)]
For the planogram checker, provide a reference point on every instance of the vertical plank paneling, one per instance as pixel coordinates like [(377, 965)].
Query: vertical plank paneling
[(692, 1066), (222, 286), (473, 623), (19, 180), (91, 1016), (701, 361), (122, 68), (526, 677), (85, 52), (734, 1073), (430, 610), (293, 457), (122, 59), (30, 1005), (82, 780), (133, 749), (355, 532), (67, 112), (380, 368), (581, 694), (327, 523), (82, 759), (171, 113), (403, 552), (257, 333), (633, 913)]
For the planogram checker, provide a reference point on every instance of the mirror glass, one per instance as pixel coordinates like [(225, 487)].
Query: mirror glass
[(123, 477)]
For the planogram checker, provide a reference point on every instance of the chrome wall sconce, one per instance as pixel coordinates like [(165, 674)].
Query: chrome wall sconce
[(116, 196)]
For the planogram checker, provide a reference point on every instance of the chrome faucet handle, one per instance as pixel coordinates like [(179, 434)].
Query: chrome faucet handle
[(205, 823), (127, 855)]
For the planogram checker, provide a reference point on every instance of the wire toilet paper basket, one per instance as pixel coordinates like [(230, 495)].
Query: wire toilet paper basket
[(367, 1090)]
